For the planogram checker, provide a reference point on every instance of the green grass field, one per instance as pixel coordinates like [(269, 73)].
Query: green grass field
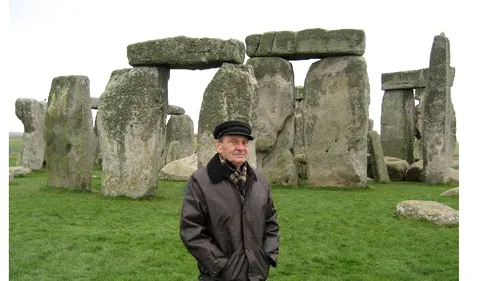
[(326, 234)]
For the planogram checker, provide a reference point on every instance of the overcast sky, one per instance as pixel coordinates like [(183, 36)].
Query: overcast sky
[(67, 37)]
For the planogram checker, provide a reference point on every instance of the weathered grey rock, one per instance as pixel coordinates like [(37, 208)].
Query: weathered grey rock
[(274, 127), (299, 92), (417, 151), (415, 172), (410, 79), (94, 102), (19, 171), (276, 100), (370, 125), (175, 110), (69, 137), (396, 124), (336, 121), (98, 155), (396, 168), (298, 139), (307, 44), (278, 165), (131, 129), (432, 211), (232, 94), (436, 114), (454, 175), (11, 177), (180, 169), (377, 158), (450, 192), (180, 128), (301, 165), (173, 151), (183, 52), (32, 113)]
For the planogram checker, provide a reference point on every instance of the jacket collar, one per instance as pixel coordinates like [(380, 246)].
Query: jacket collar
[(218, 172)]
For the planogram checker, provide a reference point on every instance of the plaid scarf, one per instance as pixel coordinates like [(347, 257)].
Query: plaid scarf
[(239, 178)]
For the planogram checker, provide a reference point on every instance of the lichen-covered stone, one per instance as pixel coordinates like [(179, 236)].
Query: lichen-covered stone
[(437, 114), (180, 169), (396, 168), (451, 192), (278, 165), (175, 110), (276, 99), (19, 171), (414, 172), (131, 129), (183, 52), (180, 128), (409, 79), (377, 157), (396, 124), (432, 211), (232, 94), (307, 44), (68, 135), (337, 97), (32, 113)]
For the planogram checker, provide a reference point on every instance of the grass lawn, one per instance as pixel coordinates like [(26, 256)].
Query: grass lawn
[(326, 234)]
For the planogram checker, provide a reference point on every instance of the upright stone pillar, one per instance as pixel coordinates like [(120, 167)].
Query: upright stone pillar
[(436, 114), (69, 133), (336, 122), (274, 129), (32, 113), (299, 150), (377, 158), (131, 129), (180, 128), (232, 94), (396, 128)]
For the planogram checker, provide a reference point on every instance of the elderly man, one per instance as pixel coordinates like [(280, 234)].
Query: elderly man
[(228, 220)]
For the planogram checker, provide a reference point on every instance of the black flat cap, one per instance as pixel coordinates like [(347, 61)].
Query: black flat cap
[(233, 127)]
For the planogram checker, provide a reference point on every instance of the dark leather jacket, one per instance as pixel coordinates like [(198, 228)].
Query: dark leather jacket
[(231, 238)]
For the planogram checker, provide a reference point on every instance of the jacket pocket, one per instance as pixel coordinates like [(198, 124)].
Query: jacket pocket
[(235, 268), (263, 262)]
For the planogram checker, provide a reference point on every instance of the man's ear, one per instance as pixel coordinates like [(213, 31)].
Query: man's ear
[(218, 145)]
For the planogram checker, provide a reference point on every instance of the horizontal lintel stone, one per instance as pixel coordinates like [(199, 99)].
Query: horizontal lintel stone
[(409, 79), (314, 43), (183, 52)]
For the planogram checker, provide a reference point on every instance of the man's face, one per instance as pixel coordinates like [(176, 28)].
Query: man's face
[(233, 148)]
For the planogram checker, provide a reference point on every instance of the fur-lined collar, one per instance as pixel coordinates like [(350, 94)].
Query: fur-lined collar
[(218, 172)]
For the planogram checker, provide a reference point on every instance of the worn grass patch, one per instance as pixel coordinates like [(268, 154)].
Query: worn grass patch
[(326, 234)]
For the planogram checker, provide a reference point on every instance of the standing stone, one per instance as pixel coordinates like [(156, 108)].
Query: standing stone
[(32, 113), (173, 151), (299, 150), (131, 125), (396, 128), (232, 94), (68, 134), (97, 155), (180, 128), (436, 114), (337, 96), (377, 157), (275, 111)]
